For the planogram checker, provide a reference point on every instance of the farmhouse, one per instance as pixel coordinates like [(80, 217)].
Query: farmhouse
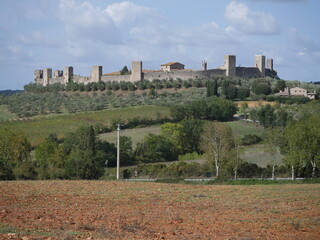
[(172, 66), (297, 91)]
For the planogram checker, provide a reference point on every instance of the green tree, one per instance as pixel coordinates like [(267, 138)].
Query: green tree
[(243, 92), (6, 172), (189, 136), (14, 151), (124, 71), (126, 151), (212, 88), (184, 135), (272, 141), (234, 160), (261, 86), (49, 157), (217, 142), (85, 160), (155, 148), (101, 86), (83, 164), (244, 109), (266, 116), (14, 147), (280, 85), (220, 109), (302, 141), (292, 148)]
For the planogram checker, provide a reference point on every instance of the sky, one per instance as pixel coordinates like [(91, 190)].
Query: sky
[(37, 34)]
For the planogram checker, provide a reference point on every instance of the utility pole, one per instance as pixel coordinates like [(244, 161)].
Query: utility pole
[(118, 152)]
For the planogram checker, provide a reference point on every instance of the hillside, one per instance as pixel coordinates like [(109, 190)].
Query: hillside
[(10, 92), (38, 128)]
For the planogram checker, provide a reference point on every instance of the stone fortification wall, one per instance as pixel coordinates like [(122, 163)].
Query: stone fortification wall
[(81, 79), (247, 72), (117, 78), (184, 75), (56, 80), (44, 76)]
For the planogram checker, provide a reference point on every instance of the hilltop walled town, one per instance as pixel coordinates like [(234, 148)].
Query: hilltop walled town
[(171, 70)]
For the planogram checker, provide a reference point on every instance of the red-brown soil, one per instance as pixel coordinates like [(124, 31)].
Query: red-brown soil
[(135, 210)]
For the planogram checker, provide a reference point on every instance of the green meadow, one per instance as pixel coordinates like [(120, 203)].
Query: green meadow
[(5, 114), (38, 128)]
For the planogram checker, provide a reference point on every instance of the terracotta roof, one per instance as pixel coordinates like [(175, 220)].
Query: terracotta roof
[(171, 63)]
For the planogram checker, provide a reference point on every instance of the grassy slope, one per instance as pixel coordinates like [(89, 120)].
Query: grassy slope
[(241, 128), (5, 114), (254, 153), (37, 129), (137, 134)]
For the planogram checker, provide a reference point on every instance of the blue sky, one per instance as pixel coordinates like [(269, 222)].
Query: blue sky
[(36, 34)]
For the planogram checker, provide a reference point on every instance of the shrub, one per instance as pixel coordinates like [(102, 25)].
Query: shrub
[(250, 139), (26, 171), (6, 172)]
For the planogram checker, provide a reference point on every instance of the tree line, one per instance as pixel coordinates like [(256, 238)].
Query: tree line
[(82, 155)]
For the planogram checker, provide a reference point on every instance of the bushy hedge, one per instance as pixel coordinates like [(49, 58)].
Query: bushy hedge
[(288, 99), (210, 109)]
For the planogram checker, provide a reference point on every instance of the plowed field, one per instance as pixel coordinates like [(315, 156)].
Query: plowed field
[(135, 210)]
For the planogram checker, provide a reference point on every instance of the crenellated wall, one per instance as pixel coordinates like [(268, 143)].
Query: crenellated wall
[(184, 75), (247, 72), (117, 78), (44, 77)]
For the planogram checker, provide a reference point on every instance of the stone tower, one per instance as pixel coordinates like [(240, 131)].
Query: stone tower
[(230, 65), (38, 74), (136, 74), (260, 63), (96, 73), (47, 74), (204, 65), (58, 73), (67, 74), (270, 64)]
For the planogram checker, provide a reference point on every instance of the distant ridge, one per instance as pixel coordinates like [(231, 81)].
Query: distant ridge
[(10, 92)]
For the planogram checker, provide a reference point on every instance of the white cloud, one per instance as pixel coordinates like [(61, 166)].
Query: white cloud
[(128, 31), (250, 22), (127, 14), (84, 21)]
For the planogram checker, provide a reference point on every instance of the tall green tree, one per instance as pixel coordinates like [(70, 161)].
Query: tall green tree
[(302, 143), (155, 148), (280, 85), (212, 88), (14, 147), (124, 71), (85, 160), (14, 150), (185, 135), (261, 86), (217, 142), (272, 141), (50, 157), (266, 116)]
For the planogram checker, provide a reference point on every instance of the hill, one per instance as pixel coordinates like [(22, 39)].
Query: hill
[(38, 128), (10, 92)]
